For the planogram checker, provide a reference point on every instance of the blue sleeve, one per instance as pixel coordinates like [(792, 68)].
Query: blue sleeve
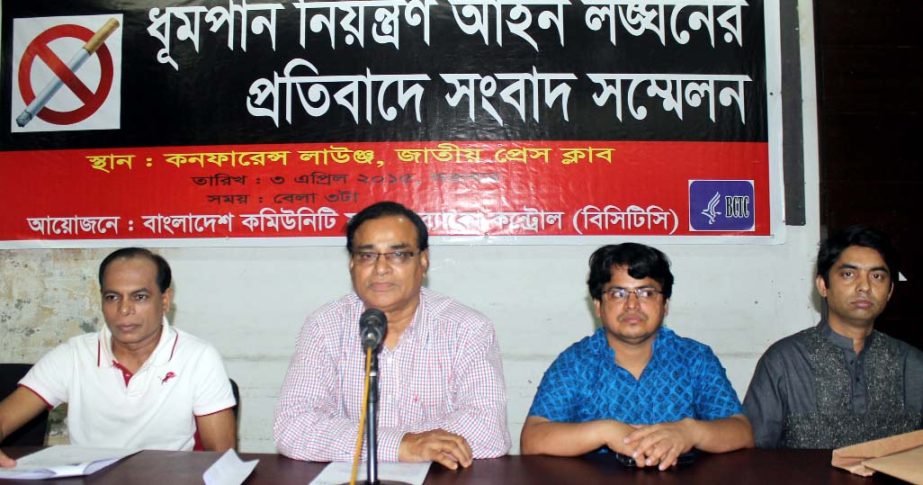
[(555, 399), (715, 396)]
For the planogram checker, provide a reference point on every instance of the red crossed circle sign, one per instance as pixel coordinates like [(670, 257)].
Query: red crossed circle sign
[(92, 100)]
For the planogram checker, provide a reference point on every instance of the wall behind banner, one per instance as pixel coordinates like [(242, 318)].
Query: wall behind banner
[(250, 302)]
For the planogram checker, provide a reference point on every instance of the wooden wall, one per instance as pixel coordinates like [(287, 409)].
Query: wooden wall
[(870, 116)]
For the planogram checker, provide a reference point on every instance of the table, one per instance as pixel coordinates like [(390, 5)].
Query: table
[(785, 467)]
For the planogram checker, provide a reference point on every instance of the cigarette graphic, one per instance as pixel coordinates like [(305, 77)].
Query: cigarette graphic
[(74, 64)]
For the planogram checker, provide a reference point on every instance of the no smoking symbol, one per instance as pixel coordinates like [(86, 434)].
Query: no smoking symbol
[(65, 74)]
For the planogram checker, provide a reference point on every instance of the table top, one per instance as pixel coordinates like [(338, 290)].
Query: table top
[(786, 467)]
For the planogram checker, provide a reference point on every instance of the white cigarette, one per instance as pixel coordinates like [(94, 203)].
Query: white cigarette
[(74, 64)]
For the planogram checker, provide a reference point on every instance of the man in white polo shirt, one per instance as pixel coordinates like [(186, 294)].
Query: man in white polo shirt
[(138, 382)]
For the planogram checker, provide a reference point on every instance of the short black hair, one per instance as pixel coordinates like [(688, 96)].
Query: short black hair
[(863, 236), (642, 262), (164, 275), (385, 209)]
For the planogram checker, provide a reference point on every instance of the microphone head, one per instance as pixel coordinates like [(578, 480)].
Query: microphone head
[(373, 324), (373, 316)]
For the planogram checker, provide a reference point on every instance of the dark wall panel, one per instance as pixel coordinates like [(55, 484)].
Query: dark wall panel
[(870, 103)]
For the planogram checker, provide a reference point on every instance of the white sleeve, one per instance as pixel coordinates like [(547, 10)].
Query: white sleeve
[(52, 375), (213, 388)]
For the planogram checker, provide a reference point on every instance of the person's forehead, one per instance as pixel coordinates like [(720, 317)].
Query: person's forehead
[(389, 230), (861, 257), (138, 271), (620, 277)]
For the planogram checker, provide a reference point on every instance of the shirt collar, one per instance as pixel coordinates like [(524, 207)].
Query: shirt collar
[(418, 328), (419, 320), (161, 355), (602, 342), (417, 325), (841, 341), (663, 334)]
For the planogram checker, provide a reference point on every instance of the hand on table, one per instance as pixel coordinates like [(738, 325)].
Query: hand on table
[(615, 436), (660, 444), (6, 462), (448, 449)]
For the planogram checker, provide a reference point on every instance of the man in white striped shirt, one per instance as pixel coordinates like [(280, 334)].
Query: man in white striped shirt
[(442, 393)]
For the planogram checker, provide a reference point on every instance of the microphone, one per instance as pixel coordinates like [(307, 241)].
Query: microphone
[(373, 324)]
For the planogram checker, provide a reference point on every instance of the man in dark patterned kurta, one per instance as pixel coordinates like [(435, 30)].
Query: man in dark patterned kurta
[(840, 382)]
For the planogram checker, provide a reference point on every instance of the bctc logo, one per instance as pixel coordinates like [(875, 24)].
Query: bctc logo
[(721, 205), (737, 206)]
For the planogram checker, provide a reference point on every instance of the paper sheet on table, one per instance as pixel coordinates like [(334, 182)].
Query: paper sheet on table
[(229, 469), (340, 472), (907, 465), (64, 461), (851, 457)]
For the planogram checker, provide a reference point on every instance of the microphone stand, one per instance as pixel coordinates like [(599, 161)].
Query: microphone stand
[(373, 326), (371, 435), (371, 429)]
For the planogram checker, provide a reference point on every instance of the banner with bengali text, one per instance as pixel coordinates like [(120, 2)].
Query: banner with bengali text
[(269, 123)]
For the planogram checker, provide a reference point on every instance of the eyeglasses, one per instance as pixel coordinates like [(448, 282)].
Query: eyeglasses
[(368, 258), (621, 294)]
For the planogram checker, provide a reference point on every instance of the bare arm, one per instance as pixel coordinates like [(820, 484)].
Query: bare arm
[(723, 435), (541, 436), (218, 431), (661, 444), (16, 410)]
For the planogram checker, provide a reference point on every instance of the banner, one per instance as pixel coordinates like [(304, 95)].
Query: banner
[(530, 121)]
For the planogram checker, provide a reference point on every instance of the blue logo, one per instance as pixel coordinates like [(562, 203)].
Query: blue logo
[(721, 205)]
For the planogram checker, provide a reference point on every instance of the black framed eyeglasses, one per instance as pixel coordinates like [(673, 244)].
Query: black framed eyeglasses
[(368, 258)]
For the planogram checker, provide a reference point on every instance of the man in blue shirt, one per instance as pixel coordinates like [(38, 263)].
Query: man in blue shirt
[(634, 387)]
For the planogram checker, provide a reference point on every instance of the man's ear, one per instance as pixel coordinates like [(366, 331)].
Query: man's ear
[(821, 286), (167, 299), (424, 260)]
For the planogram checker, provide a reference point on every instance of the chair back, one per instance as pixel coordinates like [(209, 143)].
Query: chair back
[(32, 433), (236, 391)]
